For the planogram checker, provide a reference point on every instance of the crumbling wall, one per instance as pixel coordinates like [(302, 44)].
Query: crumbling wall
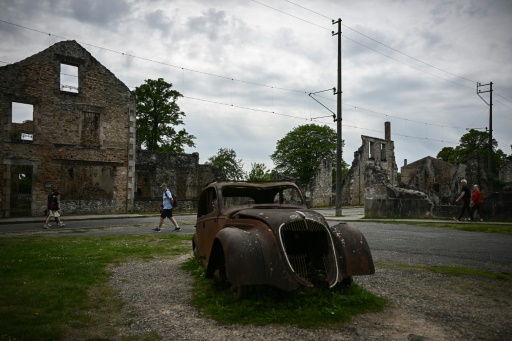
[(505, 174), (382, 199), (373, 152), (83, 136), (433, 176), (318, 192), (182, 173)]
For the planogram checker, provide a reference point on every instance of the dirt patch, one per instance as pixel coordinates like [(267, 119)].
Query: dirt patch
[(423, 306)]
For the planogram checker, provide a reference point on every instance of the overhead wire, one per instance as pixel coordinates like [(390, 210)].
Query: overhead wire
[(220, 76), (381, 43)]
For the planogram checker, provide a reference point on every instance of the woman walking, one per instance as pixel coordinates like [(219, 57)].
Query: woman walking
[(476, 202)]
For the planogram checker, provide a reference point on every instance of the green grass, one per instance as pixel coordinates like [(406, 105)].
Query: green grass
[(57, 287), (472, 227), (50, 285), (304, 308)]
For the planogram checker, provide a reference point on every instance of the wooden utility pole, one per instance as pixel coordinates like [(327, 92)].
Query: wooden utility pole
[(339, 150)]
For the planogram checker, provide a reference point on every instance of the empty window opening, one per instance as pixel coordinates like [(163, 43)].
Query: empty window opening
[(383, 152), (370, 150), (68, 78), (22, 122)]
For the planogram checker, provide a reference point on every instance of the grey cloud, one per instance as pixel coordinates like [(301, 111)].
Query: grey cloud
[(159, 20), (104, 13), (209, 24)]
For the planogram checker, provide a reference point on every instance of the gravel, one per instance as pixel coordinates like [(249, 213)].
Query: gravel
[(423, 306)]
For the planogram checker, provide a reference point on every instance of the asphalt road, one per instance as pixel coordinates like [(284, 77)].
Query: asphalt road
[(391, 243)]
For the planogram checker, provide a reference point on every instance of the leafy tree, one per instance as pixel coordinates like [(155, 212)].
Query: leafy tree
[(447, 154), (300, 152), (229, 166), (157, 116), (474, 141), (259, 172)]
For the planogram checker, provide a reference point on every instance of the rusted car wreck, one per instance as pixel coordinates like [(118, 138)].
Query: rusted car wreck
[(263, 234)]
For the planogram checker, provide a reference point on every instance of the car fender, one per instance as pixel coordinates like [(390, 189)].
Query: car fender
[(251, 256), (355, 258)]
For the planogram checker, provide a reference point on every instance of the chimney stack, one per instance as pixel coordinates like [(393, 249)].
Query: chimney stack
[(387, 131)]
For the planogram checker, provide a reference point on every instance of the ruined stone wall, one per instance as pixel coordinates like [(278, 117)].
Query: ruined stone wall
[(373, 151), (433, 176), (506, 174), (318, 192), (83, 139), (182, 173), (382, 199)]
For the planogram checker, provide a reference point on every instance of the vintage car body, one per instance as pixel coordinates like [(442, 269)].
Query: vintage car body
[(264, 234)]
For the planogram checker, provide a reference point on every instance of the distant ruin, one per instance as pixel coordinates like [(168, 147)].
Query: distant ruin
[(373, 152)]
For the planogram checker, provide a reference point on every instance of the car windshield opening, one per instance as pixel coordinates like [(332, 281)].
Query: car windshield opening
[(246, 196)]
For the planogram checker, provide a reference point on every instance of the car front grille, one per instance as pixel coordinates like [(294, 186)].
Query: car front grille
[(308, 247)]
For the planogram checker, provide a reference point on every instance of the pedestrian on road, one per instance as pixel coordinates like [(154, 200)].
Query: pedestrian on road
[(476, 202), (53, 209), (166, 209), (465, 196)]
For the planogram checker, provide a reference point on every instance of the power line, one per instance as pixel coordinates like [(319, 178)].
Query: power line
[(161, 63), (381, 43), (385, 55), (306, 119), (293, 16), (225, 77)]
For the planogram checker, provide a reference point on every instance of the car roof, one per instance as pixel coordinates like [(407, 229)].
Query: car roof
[(262, 184)]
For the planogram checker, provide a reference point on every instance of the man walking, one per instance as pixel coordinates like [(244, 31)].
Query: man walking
[(465, 196), (166, 209)]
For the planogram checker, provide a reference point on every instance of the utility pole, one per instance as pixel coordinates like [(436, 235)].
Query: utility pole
[(338, 126), (478, 92)]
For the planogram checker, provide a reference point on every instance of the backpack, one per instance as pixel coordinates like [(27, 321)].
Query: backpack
[(54, 206), (174, 200)]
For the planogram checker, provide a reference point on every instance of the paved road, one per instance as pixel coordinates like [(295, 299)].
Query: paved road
[(394, 243), (411, 244)]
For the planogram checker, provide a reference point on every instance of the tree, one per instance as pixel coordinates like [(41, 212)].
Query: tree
[(300, 152), (474, 141), (229, 166), (259, 172), (157, 116), (447, 154)]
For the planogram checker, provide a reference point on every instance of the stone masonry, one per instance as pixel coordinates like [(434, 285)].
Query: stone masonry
[(80, 138), (373, 152), (182, 173)]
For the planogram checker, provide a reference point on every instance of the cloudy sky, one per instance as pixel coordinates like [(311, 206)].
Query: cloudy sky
[(246, 67)]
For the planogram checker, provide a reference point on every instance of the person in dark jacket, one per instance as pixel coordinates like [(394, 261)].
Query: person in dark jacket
[(465, 196), (53, 209)]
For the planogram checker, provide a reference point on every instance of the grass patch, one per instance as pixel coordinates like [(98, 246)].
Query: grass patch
[(454, 271), (305, 309), (50, 285), (472, 227)]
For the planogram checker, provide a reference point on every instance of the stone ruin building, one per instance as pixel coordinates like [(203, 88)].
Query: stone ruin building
[(372, 182), (373, 152), (440, 180), (382, 199), (437, 178), (75, 132)]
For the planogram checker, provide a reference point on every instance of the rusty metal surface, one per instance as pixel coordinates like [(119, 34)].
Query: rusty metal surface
[(355, 250), (272, 238)]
